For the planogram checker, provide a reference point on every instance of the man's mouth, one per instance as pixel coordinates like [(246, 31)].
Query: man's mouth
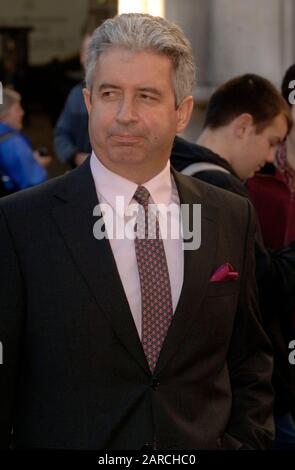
[(126, 138)]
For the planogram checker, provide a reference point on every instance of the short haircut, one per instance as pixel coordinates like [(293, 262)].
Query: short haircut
[(9, 98), (248, 93), (142, 32), (288, 77)]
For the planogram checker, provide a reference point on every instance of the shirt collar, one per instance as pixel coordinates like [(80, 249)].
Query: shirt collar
[(109, 185)]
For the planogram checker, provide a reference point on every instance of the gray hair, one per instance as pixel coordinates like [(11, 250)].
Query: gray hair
[(9, 98), (137, 32)]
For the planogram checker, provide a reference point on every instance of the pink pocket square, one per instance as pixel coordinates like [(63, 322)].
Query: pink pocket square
[(224, 272)]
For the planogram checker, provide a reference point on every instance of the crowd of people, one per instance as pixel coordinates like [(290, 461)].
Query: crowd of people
[(163, 356)]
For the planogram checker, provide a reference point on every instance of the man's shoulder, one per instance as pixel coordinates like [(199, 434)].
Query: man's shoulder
[(212, 194), (232, 213), (226, 181)]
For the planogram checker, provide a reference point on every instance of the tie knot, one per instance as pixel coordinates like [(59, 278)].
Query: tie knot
[(142, 195)]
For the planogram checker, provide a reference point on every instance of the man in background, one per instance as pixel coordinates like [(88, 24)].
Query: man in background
[(71, 138)]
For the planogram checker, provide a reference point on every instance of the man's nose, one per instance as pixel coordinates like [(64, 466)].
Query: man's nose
[(127, 110)]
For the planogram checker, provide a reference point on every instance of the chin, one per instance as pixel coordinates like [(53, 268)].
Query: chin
[(128, 155)]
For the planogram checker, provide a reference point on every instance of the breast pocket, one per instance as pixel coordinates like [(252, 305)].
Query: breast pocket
[(222, 288)]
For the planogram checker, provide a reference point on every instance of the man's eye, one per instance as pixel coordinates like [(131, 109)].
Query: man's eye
[(108, 94), (147, 97)]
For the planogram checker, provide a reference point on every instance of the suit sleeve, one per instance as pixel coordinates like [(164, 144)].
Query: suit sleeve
[(250, 361), (11, 321)]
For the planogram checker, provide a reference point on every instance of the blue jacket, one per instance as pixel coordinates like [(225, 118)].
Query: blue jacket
[(18, 167), (71, 130)]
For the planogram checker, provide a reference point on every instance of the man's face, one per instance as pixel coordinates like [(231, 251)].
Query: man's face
[(132, 114), (260, 148), (14, 116)]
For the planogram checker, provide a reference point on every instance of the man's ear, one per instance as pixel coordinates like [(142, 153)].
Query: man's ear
[(87, 99), (242, 124), (184, 112)]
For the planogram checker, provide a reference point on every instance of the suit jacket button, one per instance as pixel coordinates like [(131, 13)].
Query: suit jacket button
[(155, 384)]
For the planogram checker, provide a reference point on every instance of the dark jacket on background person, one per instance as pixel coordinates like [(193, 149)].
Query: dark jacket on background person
[(71, 130), (275, 271)]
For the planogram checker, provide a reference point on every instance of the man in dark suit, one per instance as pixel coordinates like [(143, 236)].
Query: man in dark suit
[(121, 343)]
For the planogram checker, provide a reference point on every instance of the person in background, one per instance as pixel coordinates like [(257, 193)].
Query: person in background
[(71, 138), (20, 166), (272, 189), (246, 120)]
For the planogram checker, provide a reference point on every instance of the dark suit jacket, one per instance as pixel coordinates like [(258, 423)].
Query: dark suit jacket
[(75, 374)]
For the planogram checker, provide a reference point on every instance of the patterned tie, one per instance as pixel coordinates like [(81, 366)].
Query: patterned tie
[(157, 310)]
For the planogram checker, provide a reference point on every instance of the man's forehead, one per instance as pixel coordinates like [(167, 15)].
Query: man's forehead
[(122, 54), (117, 64)]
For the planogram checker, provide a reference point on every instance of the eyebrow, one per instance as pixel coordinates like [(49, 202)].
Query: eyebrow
[(103, 86), (152, 90)]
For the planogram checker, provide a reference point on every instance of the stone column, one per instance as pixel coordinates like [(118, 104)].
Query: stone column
[(193, 17), (245, 36), (287, 34)]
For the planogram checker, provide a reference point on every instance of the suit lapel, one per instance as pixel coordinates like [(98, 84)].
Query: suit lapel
[(198, 266), (73, 213)]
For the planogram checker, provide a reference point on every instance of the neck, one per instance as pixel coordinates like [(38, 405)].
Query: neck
[(216, 141), (138, 177), (138, 174), (291, 151)]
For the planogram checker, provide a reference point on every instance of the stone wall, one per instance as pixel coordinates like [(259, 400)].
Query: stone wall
[(232, 37)]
